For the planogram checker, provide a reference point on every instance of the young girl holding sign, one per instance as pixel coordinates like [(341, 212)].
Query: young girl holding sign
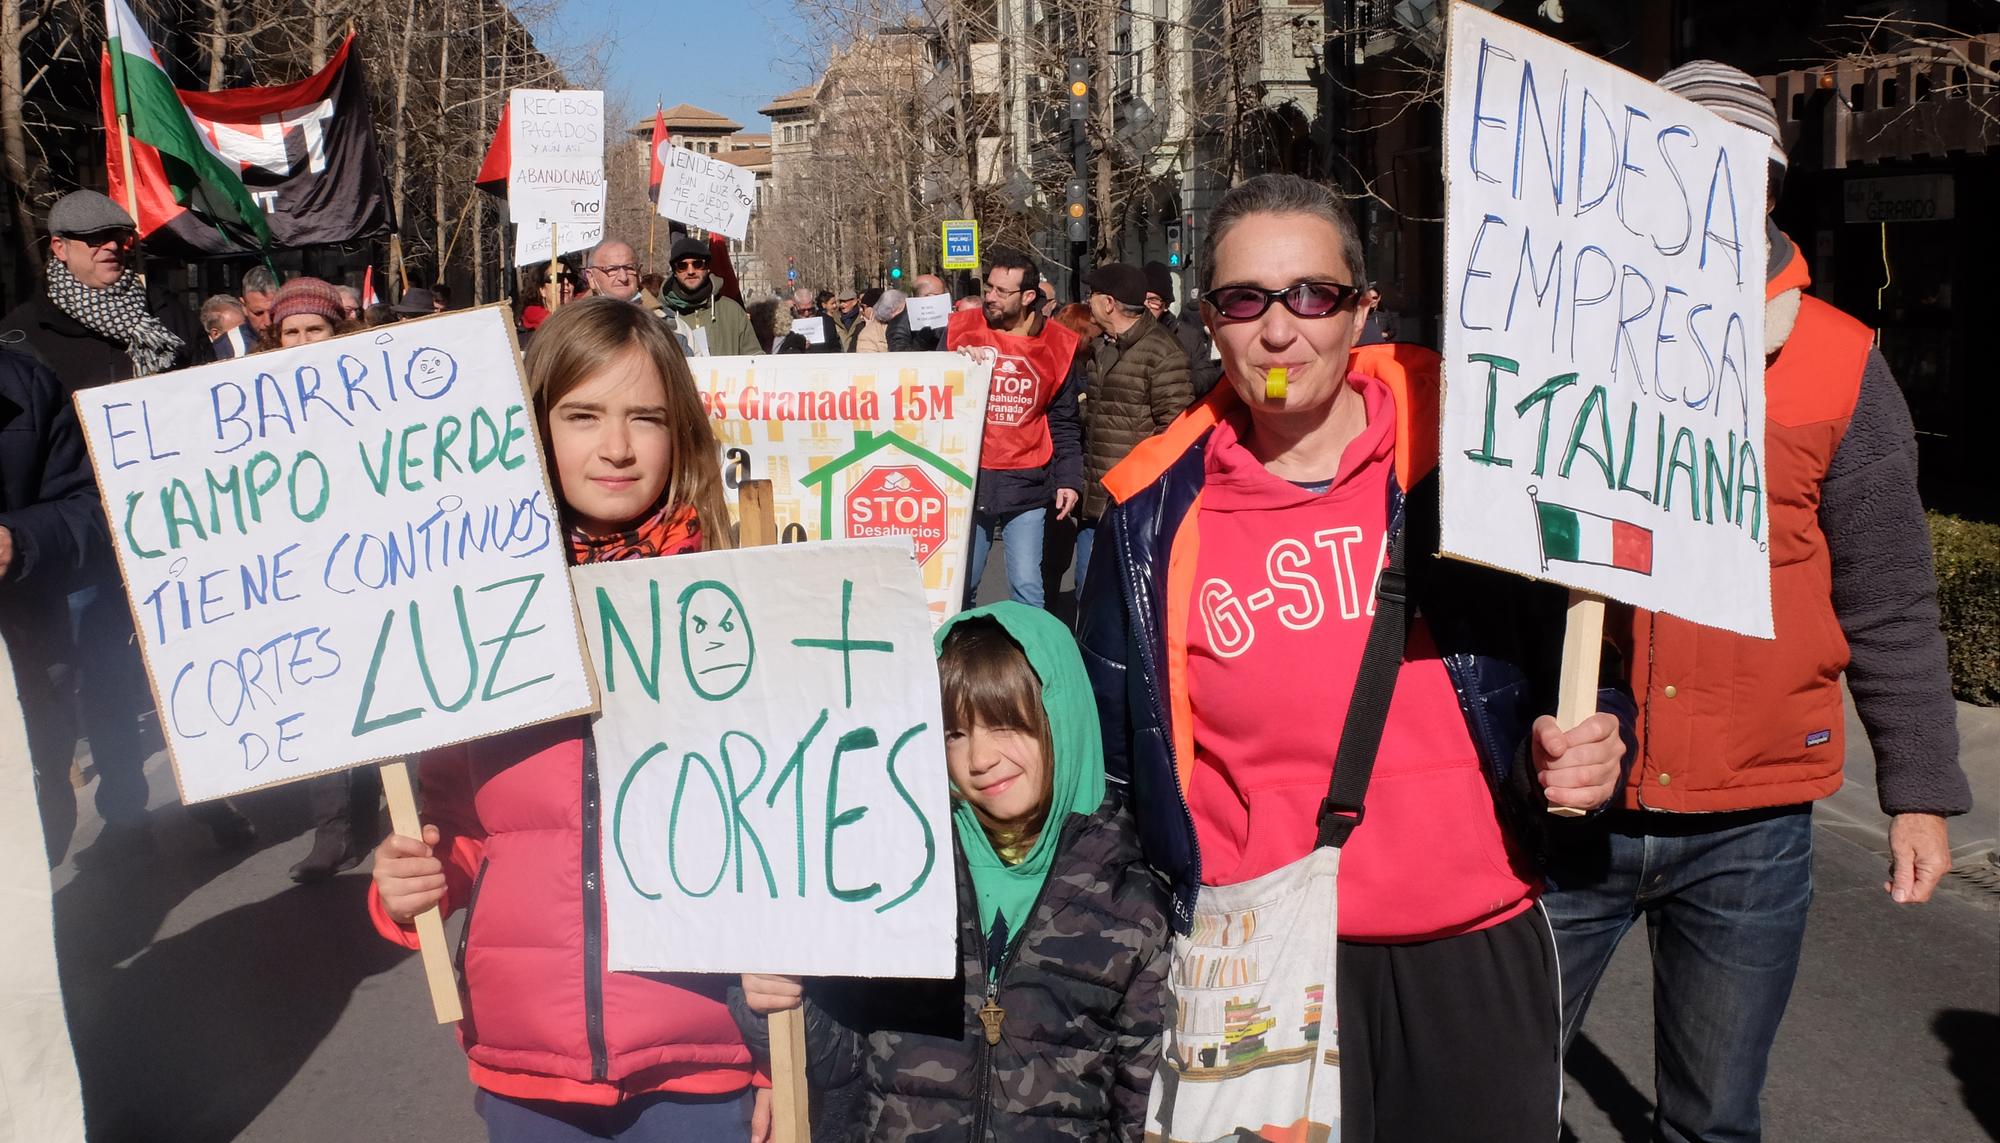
[(559, 1048), (1052, 1028)]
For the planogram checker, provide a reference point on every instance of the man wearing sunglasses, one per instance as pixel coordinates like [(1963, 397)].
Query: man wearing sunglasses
[(1031, 455), (93, 325), (713, 324)]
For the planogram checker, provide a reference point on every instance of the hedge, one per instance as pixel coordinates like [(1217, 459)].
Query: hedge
[(1968, 572)]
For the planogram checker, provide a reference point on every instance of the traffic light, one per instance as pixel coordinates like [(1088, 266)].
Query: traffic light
[(791, 268), (1174, 245), (1078, 212), (1079, 88), (895, 259)]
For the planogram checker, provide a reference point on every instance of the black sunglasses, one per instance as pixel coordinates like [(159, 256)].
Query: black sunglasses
[(1306, 299), (684, 263)]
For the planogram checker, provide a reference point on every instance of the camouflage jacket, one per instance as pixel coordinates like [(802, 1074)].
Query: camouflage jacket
[(1081, 990)]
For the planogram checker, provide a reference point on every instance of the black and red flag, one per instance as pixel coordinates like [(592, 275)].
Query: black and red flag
[(305, 151)]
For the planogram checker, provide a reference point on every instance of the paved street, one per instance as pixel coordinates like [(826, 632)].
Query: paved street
[(212, 999)]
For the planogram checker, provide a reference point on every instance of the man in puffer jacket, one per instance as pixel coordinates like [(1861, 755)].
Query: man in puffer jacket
[(1138, 385)]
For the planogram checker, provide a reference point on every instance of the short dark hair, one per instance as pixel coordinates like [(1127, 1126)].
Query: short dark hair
[(1007, 258), (1285, 194)]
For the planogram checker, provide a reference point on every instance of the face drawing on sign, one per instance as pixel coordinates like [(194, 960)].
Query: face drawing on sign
[(431, 372), (716, 647)]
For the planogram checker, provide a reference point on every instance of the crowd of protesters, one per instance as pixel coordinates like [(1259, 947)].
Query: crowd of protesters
[(1367, 789)]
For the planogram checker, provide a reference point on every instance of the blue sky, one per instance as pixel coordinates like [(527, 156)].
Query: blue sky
[(729, 56)]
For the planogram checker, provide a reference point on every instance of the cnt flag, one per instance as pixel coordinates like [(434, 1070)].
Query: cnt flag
[(1574, 536), (232, 171), (657, 173)]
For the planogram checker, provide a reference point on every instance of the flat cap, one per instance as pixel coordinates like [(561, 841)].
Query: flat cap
[(1121, 280), (87, 212)]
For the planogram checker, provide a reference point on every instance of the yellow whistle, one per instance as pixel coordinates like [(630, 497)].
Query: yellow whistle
[(1275, 384)]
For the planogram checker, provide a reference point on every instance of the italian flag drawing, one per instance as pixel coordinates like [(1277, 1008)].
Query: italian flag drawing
[(1570, 535), (145, 100)]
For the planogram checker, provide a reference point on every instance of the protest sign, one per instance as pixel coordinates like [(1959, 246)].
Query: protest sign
[(555, 169), (702, 190), (933, 312), (1604, 365), (772, 762), (338, 553), (531, 240), (858, 444), (812, 329)]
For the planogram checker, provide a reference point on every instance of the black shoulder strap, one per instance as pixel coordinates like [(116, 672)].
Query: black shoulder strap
[(1368, 710)]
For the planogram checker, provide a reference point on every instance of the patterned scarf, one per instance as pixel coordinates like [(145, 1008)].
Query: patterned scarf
[(668, 532), (119, 313)]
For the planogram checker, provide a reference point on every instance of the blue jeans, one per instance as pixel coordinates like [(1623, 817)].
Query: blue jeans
[(1725, 898), (1086, 539), (1021, 536), (661, 1118)]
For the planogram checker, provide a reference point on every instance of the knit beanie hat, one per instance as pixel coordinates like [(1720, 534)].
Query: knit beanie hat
[(306, 296), (1731, 93)]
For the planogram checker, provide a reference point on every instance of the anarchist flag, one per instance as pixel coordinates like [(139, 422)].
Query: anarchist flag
[(492, 176), (302, 155)]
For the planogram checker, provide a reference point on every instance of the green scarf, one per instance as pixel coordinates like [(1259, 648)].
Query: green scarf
[(1009, 891)]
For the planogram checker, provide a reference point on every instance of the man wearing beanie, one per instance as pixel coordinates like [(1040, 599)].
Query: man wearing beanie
[(93, 325), (710, 323), (1739, 736), (1138, 385), (1204, 368)]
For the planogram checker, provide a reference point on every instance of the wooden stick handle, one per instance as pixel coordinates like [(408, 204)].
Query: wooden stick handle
[(430, 922), (792, 1119), (1583, 641), (757, 514)]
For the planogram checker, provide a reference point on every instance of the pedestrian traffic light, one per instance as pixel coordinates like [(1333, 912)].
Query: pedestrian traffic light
[(895, 259), (1174, 245), (1077, 212), (1079, 88)]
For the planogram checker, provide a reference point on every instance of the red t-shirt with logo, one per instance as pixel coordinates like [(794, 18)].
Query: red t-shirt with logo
[(1284, 595), (1027, 372)]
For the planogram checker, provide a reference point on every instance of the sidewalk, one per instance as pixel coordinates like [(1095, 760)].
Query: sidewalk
[(1854, 814)]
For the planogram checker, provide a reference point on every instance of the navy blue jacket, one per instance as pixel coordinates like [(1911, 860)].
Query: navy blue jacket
[(1500, 637)]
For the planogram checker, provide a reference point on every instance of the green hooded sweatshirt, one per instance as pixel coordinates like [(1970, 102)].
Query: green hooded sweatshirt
[(1078, 766)]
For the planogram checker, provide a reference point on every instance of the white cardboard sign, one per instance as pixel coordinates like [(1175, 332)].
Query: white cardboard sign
[(858, 445), (1604, 331), (933, 312), (531, 240), (338, 553), (702, 190), (555, 170), (771, 756)]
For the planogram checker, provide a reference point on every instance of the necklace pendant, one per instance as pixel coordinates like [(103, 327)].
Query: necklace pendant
[(991, 1015)]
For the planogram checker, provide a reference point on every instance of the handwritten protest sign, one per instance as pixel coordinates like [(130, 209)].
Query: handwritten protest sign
[(555, 170), (1604, 306), (812, 329), (338, 553), (772, 762), (531, 240), (933, 312), (702, 190), (865, 444)]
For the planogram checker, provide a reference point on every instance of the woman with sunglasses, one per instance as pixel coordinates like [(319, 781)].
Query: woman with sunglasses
[(1262, 539)]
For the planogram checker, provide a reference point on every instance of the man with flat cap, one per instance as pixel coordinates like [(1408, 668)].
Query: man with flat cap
[(93, 325), (711, 323), (1138, 385)]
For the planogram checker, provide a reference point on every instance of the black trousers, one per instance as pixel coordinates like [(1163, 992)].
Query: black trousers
[(1453, 1039)]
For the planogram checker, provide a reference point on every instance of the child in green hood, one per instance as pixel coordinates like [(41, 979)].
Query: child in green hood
[(1053, 1028)]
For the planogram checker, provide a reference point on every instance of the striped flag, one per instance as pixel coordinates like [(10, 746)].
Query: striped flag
[(1570, 535), (657, 172), (368, 295), (200, 177)]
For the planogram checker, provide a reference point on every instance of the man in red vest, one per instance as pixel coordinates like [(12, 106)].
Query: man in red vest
[(1739, 736), (1032, 453)]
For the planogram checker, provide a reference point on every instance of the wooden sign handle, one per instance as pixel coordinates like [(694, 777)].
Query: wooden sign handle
[(1583, 641), (792, 1119), (430, 923)]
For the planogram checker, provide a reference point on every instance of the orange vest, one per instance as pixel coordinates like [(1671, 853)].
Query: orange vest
[(1727, 722)]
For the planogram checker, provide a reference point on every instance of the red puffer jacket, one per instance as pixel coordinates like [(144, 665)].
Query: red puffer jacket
[(543, 1019)]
